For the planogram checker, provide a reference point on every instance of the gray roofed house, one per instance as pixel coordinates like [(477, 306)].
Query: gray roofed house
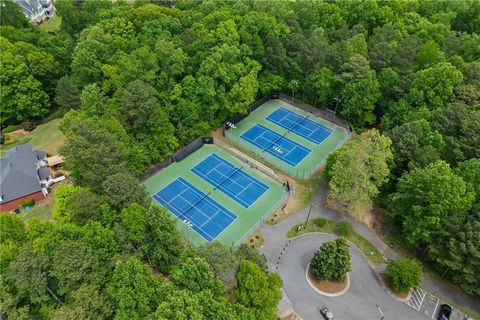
[(22, 172), (37, 10)]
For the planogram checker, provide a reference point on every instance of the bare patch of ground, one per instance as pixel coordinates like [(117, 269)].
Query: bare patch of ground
[(367, 217)]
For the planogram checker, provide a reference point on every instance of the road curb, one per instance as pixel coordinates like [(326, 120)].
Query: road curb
[(337, 294), (372, 266)]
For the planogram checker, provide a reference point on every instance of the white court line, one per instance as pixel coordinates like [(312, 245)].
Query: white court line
[(214, 204), (210, 218)]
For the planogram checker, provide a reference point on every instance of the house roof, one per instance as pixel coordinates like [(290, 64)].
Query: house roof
[(41, 155), (43, 173), (18, 173), (33, 7)]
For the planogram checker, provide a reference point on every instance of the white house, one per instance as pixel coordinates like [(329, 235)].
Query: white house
[(37, 10)]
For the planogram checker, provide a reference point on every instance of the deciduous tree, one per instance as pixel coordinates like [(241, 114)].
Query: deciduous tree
[(426, 199), (404, 274), (257, 290), (331, 261), (359, 168)]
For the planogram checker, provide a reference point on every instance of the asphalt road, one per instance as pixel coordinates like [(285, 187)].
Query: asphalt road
[(359, 302)]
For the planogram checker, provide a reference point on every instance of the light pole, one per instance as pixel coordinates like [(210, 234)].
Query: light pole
[(381, 313), (309, 211), (294, 84), (337, 102)]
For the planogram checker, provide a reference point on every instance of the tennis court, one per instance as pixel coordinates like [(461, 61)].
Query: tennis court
[(231, 180), (275, 144), (205, 207), (195, 208), (304, 140), (301, 125)]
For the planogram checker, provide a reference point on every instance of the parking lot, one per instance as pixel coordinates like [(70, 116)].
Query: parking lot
[(429, 305)]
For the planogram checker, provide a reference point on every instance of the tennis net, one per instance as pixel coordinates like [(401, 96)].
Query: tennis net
[(210, 192), (289, 130)]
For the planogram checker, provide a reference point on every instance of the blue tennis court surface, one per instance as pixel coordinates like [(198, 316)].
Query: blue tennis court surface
[(234, 182), (300, 125), (194, 208), (275, 144)]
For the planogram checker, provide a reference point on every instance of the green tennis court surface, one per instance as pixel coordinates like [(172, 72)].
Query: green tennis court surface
[(292, 140), (215, 197)]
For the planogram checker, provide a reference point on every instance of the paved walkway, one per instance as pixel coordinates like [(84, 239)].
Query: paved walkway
[(276, 238)]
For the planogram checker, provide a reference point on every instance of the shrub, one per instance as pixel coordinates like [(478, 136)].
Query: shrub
[(344, 229), (404, 274), (12, 128), (28, 203), (331, 261), (320, 222), (29, 125)]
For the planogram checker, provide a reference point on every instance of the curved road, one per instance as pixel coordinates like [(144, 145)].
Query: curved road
[(359, 302)]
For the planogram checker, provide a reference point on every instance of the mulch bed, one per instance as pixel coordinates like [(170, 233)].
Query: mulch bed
[(328, 286)]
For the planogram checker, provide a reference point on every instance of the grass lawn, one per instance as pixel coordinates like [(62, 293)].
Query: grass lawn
[(42, 211), (330, 226), (46, 137), (52, 25)]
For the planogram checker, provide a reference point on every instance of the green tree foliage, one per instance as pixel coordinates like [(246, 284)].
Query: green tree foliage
[(427, 199), (257, 290), (360, 91), (404, 274), (415, 144), (221, 259), (142, 117), (469, 171), (94, 149), (88, 302), (196, 275), (12, 237), (67, 94), (460, 126), (163, 241), (77, 204), (357, 170), (456, 253), (12, 228), (22, 94), (245, 252), (123, 189), (434, 86), (74, 263), (144, 79), (132, 289), (331, 261), (12, 15), (28, 277)]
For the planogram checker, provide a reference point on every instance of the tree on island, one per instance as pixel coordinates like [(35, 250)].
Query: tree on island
[(331, 261)]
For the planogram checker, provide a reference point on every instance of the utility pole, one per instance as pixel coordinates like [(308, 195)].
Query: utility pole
[(309, 211)]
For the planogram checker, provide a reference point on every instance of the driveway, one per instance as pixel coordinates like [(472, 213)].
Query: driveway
[(359, 302)]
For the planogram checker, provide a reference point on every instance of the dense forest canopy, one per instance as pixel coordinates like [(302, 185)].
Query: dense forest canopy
[(136, 81)]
